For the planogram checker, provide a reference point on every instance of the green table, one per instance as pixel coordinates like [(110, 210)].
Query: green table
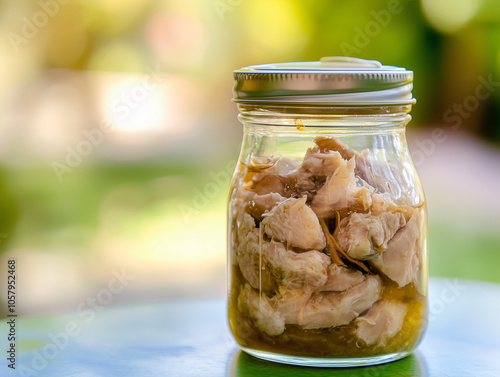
[(190, 338)]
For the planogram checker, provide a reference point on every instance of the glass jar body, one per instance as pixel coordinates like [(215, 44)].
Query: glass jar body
[(327, 237)]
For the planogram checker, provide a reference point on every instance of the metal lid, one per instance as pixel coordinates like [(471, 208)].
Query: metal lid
[(332, 80)]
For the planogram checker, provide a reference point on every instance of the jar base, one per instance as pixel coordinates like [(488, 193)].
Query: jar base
[(326, 362)]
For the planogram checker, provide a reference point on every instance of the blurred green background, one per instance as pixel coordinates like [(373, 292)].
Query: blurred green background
[(148, 195)]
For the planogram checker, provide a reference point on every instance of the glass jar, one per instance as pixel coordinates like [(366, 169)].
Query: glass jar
[(327, 226)]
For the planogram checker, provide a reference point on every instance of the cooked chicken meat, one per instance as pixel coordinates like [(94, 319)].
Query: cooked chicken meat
[(283, 166), (341, 278), (364, 235), (295, 223), (291, 303), (326, 144), (323, 254), (266, 183), (315, 169), (260, 309), (382, 322), (262, 262), (296, 270), (331, 309), (384, 203), (259, 204), (247, 249), (341, 190), (381, 175), (400, 261)]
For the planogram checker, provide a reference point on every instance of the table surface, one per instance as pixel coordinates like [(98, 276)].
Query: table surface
[(191, 338)]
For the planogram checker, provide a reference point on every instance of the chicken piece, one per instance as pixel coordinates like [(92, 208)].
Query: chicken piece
[(291, 303), (247, 249), (326, 144), (381, 323), (239, 200), (296, 270), (259, 204), (264, 264), (260, 308), (362, 196), (341, 278), (266, 165), (341, 190), (245, 224), (245, 200), (400, 261), (266, 202), (285, 178), (265, 183), (250, 256), (271, 176), (283, 166), (386, 177), (293, 222), (363, 168), (363, 235), (384, 203), (331, 309), (383, 176), (316, 167)]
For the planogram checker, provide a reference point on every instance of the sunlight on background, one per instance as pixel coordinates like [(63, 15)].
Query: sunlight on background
[(449, 15), (284, 23), (118, 136)]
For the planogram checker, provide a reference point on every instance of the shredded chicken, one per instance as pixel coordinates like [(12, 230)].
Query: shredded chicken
[(293, 222), (384, 177), (381, 323), (247, 249), (341, 278), (291, 303), (283, 166), (264, 262), (265, 183), (296, 269), (312, 242), (315, 169), (400, 261), (341, 190), (267, 318), (274, 176), (331, 309), (260, 204), (363, 235), (384, 203)]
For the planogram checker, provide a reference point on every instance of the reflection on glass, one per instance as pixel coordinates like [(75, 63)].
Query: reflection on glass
[(244, 365)]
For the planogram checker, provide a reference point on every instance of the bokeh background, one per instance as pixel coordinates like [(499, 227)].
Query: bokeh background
[(118, 135)]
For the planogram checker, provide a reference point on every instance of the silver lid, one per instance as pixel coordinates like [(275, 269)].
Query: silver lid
[(332, 80)]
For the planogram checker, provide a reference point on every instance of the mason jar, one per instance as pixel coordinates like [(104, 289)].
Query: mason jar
[(327, 225)]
